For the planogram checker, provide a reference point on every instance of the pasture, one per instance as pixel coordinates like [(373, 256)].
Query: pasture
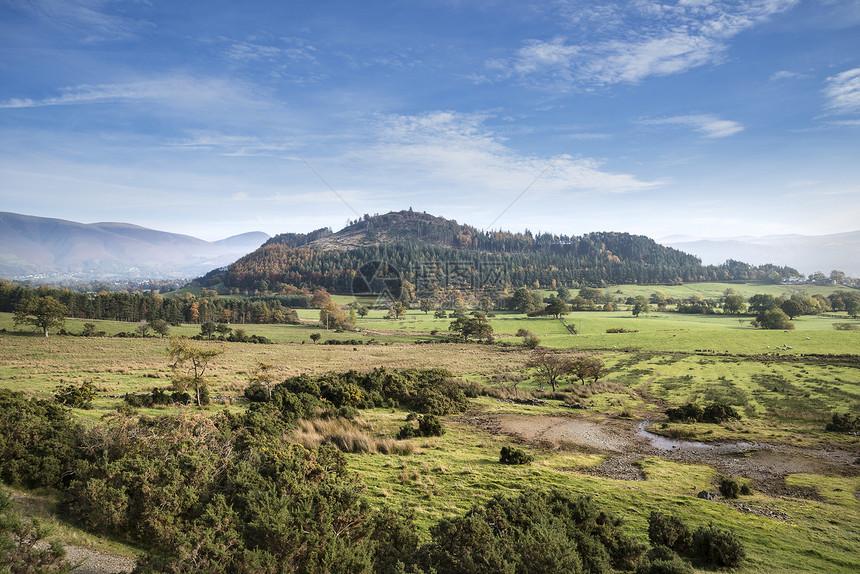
[(803, 514)]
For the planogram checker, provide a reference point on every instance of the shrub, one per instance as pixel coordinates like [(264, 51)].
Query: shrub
[(844, 423), (429, 425), (531, 342), (692, 413), (730, 487), (846, 327), (669, 532), (511, 455), (663, 560), (715, 547), (76, 397)]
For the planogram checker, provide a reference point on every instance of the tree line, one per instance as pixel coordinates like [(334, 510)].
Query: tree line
[(150, 306)]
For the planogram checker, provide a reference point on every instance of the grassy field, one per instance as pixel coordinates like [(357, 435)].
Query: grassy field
[(776, 380)]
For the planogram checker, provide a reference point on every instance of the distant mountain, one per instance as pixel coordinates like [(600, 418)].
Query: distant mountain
[(807, 253), (44, 247), (433, 251)]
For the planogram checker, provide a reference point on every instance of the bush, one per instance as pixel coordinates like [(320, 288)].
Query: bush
[(669, 532), (511, 455), (844, 423), (428, 425), (531, 342), (76, 397), (713, 413), (663, 560), (715, 547), (730, 487), (846, 327)]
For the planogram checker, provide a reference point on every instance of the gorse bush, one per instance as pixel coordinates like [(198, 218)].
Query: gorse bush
[(428, 425), (692, 413), (844, 423), (76, 396), (707, 546), (511, 455)]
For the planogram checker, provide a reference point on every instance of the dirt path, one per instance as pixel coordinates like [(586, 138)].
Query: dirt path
[(94, 562)]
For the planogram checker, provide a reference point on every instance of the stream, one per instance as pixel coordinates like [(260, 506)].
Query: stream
[(668, 444)]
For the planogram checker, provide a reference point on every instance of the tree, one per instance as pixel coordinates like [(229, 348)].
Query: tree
[(774, 319), (474, 325), (189, 363), (143, 327), (640, 305), (557, 307), (792, 308), (397, 310), (160, 326), (761, 302), (207, 329), (263, 376), (853, 308), (315, 337), (320, 299), (332, 316), (550, 367), (734, 303), (563, 293), (585, 368), (43, 312), (523, 301), (426, 305)]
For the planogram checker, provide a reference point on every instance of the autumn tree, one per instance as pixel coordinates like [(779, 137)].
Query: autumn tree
[(263, 376), (332, 316), (320, 299), (43, 312), (189, 363)]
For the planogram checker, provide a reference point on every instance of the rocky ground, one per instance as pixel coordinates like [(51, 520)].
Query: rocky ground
[(624, 445)]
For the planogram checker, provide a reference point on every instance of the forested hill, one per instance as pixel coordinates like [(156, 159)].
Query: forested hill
[(427, 250)]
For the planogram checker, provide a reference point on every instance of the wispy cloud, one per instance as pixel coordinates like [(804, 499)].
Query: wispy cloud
[(843, 91), (457, 151), (708, 125), (178, 89), (656, 40), (89, 20)]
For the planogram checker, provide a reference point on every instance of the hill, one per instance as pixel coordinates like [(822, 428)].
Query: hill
[(432, 251), (808, 253), (33, 247)]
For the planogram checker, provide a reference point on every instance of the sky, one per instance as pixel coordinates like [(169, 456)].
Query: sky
[(702, 118)]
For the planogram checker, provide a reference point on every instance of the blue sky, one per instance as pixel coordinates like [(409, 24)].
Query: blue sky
[(693, 117)]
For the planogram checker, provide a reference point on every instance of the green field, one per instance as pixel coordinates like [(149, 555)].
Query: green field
[(785, 385)]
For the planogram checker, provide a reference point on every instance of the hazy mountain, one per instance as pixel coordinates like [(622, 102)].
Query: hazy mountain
[(806, 253), (45, 247)]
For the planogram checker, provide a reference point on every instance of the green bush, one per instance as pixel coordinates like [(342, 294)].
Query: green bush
[(729, 487), (38, 440), (715, 547), (76, 397), (534, 532), (692, 413), (669, 532), (663, 560), (511, 455), (844, 423)]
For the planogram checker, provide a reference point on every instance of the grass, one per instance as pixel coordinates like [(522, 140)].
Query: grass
[(783, 396)]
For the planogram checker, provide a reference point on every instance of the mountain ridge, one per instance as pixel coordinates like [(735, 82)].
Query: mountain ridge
[(33, 246)]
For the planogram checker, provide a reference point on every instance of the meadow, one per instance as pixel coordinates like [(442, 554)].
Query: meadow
[(785, 385)]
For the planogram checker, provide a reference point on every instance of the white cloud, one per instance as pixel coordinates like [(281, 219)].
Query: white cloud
[(657, 40), (843, 91), (177, 90), (710, 126), (88, 20), (457, 151)]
